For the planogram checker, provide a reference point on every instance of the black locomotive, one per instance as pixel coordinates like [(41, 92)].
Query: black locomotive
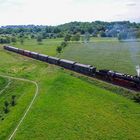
[(125, 80)]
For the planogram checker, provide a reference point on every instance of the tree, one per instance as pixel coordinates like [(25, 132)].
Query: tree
[(39, 39), (59, 49), (6, 109), (137, 98), (102, 34), (13, 102), (85, 38), (64, 44), (76, 37), (67, 37), (21, 41), (13, 39), (8, 39), (4, 40), (138, 34), (122, 36)]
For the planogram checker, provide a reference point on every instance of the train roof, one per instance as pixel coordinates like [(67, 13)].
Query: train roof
[(21, 49), (67, 61), (43, 55), (54, 58), (83, 65), (34, 53), (12, 47), (26, 51)]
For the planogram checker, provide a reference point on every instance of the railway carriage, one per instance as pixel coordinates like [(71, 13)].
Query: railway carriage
[(67, 63), (42, 57), (34, 55), (53, 60), (10, 48), (15, 49), (27, 53), (21, 51), (85, 69)]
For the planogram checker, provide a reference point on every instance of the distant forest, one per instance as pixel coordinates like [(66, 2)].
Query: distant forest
[(121, 30)]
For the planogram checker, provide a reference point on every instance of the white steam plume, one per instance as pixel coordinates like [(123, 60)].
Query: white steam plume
[(138, 70)]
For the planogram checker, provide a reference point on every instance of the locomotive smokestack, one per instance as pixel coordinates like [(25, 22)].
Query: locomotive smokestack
[(138, 70)]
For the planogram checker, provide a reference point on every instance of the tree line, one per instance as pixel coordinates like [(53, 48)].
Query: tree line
[(122, 30)]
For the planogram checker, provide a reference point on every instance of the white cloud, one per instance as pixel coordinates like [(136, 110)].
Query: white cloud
[(57, 12)]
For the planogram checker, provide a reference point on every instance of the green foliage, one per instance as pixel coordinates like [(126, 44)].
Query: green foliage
[(66, 107), (138, 34), (76, 37), (59, 49), (13, 39), (64, 44), (122, 36), (102, 34), (67, 37), (137, 98), (97, 28), (5, 39), (85, 38), (13, 102), (6, 109), (21, 41), (39, 39)]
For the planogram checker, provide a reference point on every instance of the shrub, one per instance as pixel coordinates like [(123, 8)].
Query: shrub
[(137, 98)]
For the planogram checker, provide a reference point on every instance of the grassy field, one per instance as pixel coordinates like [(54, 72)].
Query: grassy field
[(24, 93), (48, 46), (106, 54), (3, 83), (78, 110), (67, 107)]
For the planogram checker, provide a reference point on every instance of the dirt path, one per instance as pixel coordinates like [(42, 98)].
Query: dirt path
[(28, 108)]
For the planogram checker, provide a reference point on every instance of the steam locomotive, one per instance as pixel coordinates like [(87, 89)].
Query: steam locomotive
[(124, 80)]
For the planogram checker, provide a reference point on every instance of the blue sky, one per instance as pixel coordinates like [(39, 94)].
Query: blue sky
[(54, 12)]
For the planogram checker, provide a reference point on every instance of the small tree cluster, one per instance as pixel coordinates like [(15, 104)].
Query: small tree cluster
[(13, 39), (7, 104), (63, 44), (39, 39), (85, 38), (60, 48), (4, 40), (76, 37), (67, 37), (21, 40)]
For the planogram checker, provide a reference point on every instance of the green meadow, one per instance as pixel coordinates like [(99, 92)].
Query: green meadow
[(68, 106), (106, 54)]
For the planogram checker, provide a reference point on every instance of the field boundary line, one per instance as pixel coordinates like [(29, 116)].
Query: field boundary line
[(30, 105), (8, 84)]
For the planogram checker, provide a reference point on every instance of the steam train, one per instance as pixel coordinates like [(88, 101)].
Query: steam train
[(125, 80)]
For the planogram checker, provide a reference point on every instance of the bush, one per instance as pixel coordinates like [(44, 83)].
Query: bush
[(64, 44), (137, 98), (39, 39), (13, 39), (59, 49), (6, 109), (13, 102)]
